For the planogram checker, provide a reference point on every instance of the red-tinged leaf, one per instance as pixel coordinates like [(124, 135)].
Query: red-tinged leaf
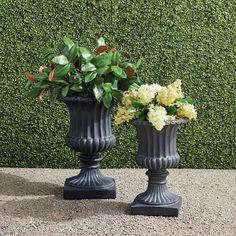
[(42, 92), (100, 49), (41, 68), (112, 50), (78, 65), (127, 55), (123, 87), (51, 75), (30, 77), (53, 65), (129, 71)]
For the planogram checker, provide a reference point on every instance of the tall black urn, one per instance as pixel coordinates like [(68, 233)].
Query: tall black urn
[(89, 133), (157, 152)]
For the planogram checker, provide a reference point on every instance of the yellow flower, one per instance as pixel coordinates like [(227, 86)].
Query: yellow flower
[(123, 115), (127, 98), (187, 111), (176, 84), (170, 117), (157, 116), (146, 93), (168, 95)]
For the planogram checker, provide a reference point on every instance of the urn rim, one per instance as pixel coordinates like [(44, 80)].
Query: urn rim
[(76, 98), (170, 122)]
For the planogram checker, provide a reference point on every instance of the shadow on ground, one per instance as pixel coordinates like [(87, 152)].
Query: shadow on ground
[(47, 202), (12, 185)]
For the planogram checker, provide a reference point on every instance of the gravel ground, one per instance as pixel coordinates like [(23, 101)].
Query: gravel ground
[(31, 204)]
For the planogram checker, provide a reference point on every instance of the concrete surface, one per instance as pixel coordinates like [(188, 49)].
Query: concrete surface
[(31, 204)]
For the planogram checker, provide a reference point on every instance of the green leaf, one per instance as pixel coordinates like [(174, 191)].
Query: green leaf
[(138, 64), (139, 80), (89, 77), (103, 70), (60, 47), (104, 62), (191, 101), (55, 92), (106, 99), (74, 52), (68, 42), (102, 57), (61, 60), (75, 79), (171, 110), (62, 71), (60, 81), (98, 92), (88, 67), (107, 87), (65, 51), (131, 80), (65, 90), (137, 105), (34, 92), (115, 58), (187, 100), (29, 84), (119, 72), (133, 86), (117, 94), (86, 53), (50, 56), (131, 110), (115, 84), (76, 87), (42, 84), (49, 53), (101, 41), (142, 117), (125, 64), (42, 76)]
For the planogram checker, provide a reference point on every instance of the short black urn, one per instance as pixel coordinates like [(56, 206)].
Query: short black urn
[(89, 133), (157, 152)]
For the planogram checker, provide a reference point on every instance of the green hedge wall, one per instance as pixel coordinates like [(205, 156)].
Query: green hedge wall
[(193, 40)]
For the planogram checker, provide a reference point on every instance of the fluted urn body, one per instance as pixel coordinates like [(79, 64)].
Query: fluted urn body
[(89, 133), (157, 152)]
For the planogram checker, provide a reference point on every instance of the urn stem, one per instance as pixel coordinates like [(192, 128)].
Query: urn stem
[(89, 161), (157, 176)]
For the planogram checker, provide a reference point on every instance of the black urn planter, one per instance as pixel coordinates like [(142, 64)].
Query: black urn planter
[(157, 152), (89, 133)]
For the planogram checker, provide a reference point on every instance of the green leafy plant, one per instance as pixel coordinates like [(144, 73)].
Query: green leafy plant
[(73, 69)]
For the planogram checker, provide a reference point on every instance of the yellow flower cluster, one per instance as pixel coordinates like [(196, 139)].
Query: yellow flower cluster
[(155, 100), (128, 96), (168, 95), (123, 115), (187, 111), (157, 116), (146, 93)]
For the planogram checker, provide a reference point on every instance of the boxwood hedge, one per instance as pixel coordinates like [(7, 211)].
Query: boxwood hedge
[(186, 39)]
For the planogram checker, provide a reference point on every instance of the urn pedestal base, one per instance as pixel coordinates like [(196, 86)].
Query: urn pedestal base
[(156, 200), (138, 208), (93, 192), (89, 183)]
